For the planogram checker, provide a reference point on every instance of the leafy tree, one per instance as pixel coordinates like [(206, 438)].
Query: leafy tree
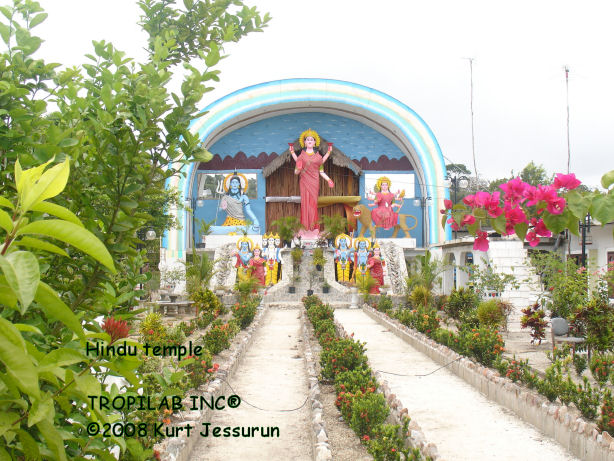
[(122, 133), (535, 174)]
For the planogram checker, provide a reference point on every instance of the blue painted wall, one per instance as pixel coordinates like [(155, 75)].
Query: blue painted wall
[(353, 138)]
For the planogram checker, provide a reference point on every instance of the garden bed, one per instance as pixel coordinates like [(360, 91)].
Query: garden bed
[(576, 434)]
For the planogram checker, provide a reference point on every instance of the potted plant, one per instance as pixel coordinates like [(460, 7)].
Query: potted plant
[(325, 287), (205, 228), (295, 280), (318, 258), (333, 226), (313, 277), (287, 227)]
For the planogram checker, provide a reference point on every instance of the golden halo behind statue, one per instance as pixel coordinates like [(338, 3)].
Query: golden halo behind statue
[(242, 180), (250, 244), (378, 184), (361, 239), (306, 133), (343, 236)]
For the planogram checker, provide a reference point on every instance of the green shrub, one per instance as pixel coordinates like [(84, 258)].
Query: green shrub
[(606, 420), (490, 314), (602, 367), (206, 301), (244, 313), (388, 443), (356, 380), (384, 304), (152, 330), (342, 355), (175, 336), (484, 344), (420, 296), (324, 326), (198, 369), (459, 301), (580, 362), (369, 410), (310, 301), (219, 335), (425, 320)]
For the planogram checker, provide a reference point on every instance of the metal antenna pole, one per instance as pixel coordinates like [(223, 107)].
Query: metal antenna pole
[(475, 168), (567, 93)]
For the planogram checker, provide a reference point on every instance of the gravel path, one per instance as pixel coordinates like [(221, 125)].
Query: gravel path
[(271, 376), (457, 418)]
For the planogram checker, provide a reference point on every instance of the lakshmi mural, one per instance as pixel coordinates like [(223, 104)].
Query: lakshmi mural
[(274, 157)]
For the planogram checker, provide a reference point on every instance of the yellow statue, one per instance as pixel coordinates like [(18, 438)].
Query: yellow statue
[(273, 259), (343, 257)]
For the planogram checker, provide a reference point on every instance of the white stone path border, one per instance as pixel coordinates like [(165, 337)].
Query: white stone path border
[(578, 436)]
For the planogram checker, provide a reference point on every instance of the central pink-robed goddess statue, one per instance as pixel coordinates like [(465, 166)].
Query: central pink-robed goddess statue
[(309, 166)]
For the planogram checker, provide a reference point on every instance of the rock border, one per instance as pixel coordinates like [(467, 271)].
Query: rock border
[(319, 437), (580, 437), (180, 448), (414, 438)]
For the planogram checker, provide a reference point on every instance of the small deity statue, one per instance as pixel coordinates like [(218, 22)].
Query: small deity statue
[(343, 258), (273, 259), (361, 259), (310, 164), (234, 201), (376, 265), (384, 215), (257, 263), (244, 254)]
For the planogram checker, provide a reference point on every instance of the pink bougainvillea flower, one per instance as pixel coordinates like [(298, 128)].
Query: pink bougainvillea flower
[(117, 329), (540, 228), (532, 238), (481, 199), (469, 200), (448, 204), (453, 224), (514, 190), (468, 219), (567, 181), (481, 241), (515, 216), (556, 206)]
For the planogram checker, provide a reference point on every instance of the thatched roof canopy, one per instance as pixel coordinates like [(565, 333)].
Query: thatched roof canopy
[(337, 157)]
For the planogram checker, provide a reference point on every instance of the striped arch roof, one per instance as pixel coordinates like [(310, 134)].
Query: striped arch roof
[(378, 110)]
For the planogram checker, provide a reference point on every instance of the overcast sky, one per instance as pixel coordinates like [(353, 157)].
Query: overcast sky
[(417, 52)]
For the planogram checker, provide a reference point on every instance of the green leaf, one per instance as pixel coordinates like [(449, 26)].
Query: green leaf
[(7, 418), (5, 32), (213, 57), (53, 439), (55, 309), (444, 218), (602, 208), (87, 384), (68, 142), (31, 242), (7, 297), (6, 203), (578, 203), (36, 20), (555, 222), (57, 211), (50, 184), (6, 222), (74, 235), (17, 362), (29, 445), (27, 178), (22, 274), (41, 409), (61, 358), (498, 224), (521, 230), (607, 179), (28, 328), (473, 228)]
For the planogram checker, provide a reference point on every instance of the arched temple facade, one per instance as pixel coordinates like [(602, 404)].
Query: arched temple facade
[(373, 134)]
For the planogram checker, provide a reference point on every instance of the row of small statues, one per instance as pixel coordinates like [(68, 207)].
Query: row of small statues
[(356, 260)]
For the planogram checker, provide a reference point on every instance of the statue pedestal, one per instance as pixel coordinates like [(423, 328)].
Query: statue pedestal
[(354, 299)]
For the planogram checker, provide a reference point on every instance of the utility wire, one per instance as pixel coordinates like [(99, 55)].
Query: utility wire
[(257, 407), (421, 376)]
